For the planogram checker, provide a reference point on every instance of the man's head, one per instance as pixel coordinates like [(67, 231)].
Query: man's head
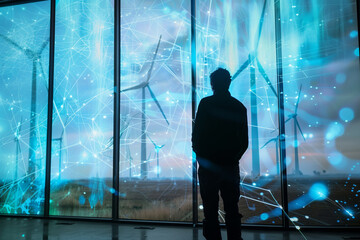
[(220, 80)]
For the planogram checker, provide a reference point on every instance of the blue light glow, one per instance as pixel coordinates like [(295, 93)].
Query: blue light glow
[(353, 34), (264, 216), (318, 192), (334, 130), (340, 78), (346, 114), (82, 200), (335, 159)]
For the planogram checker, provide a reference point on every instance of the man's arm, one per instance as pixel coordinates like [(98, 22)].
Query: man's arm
[(199, 121), (244, 136)]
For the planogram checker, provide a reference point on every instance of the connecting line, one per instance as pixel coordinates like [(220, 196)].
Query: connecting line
[(256, 200), (277, 205), (336, 203)]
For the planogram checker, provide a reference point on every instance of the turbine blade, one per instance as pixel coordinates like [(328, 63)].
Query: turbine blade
[(297, 102), (152, 63), (21, 122), (271, 140), (12, 43), (288, 120), (43, 46), (265, 76), (298, 125), (151, 140), (157, 103), (242, 68), (139, 86), (260, 26), (109, 143), (43, 73)]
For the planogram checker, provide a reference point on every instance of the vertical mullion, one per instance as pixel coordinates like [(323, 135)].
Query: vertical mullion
[(116, 136), (281, 116), (50, 109), (358, 19), (193, 106)]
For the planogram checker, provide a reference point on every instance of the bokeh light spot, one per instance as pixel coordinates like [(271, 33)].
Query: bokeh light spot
[(334, 130), (340, 78), (264, 216), (82, 200), (346, 114), (318, 192), (353, 34)]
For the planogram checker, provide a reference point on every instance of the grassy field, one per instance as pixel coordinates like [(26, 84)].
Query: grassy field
[(171, 200)]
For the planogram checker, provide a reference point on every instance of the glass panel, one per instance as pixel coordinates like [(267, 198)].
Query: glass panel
[(81, 170), (321, 74), (228, 36), (155, 148), (24, 54)]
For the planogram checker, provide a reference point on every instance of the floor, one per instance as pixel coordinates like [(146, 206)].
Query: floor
[(28, 228)]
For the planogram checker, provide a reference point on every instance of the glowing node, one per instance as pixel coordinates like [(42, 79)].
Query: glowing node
[(318, 192), (346, 114), (201, 207), (264, 216)]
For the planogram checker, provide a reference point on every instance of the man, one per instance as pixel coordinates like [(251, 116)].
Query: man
[(220, 138)]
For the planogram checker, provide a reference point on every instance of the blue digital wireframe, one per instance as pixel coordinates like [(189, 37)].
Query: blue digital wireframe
[(142, 86), (252, 59)]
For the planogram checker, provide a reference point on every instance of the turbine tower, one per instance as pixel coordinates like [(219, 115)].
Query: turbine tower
[(296, 127), (60, 140), (251, 61), (145, 85), (35, 57), (157, 149), (128, 152), (18, 148), (276, 140)]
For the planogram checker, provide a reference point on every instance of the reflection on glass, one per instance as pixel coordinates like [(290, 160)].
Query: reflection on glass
[(321, 74), (81, 170), (239, 35), (24, 38), (155, 148)]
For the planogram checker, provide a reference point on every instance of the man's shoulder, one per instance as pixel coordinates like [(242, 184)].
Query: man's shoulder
[(238, 104), (206, 100)]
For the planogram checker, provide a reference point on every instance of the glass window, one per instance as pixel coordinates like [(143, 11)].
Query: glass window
[(155, 148), (321, 84), (24, 50), (227, 36), (82, 156)]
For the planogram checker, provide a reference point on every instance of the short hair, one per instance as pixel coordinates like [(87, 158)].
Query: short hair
[(220, 80)]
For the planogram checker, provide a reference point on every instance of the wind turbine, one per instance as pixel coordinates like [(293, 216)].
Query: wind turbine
[(252, 59), (35, 57), (296, 127), (145, 85), (18, 148), (130, 160), (276, 140), (157, 149), (60, 140)]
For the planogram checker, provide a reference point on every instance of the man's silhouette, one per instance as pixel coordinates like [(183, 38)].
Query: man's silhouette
[(220, 138)]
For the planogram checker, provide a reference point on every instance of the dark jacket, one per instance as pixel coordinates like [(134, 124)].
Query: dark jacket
[(220, 134)]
